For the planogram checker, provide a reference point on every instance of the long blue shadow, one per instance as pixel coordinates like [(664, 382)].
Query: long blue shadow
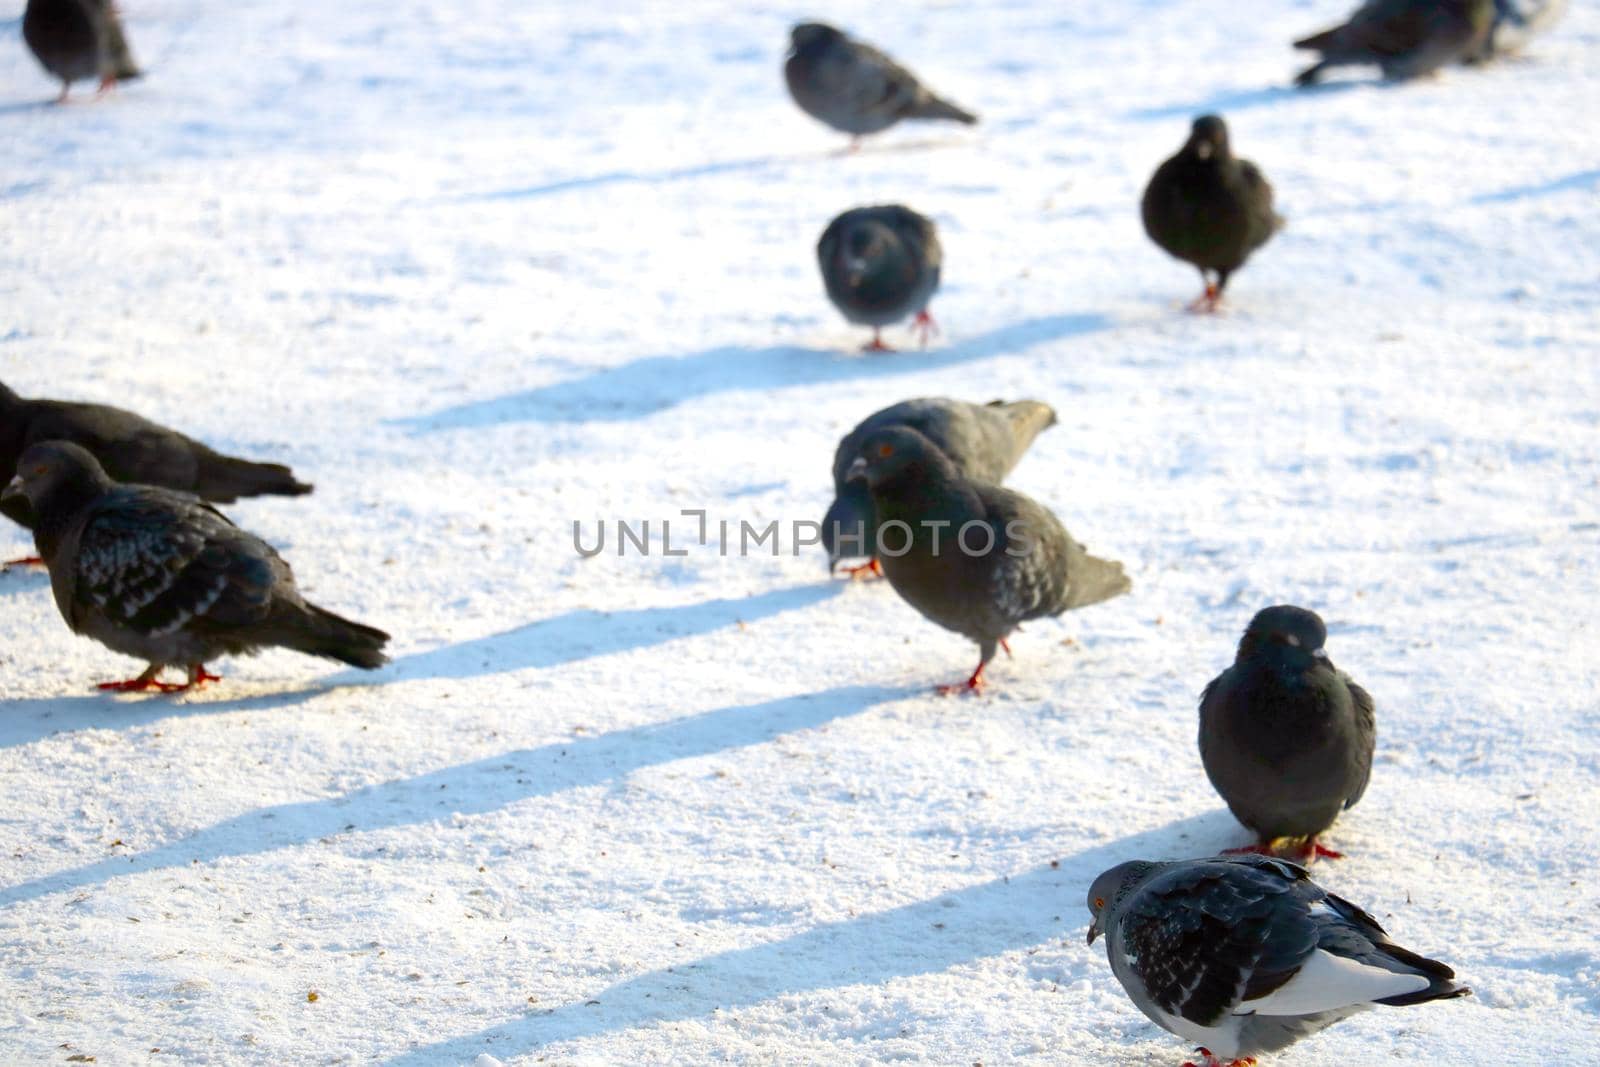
[(923, 938), (1580, 181), (584, 634), (645, 386), (476, 788), (24, 721)]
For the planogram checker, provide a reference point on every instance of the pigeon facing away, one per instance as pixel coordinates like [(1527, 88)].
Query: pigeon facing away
[(984, 441), (1246, 954), (1405, 38), (1209, 208), (880, 265), (855, 88), (977, 559), (131, 449), (78, 39), (163, 576), (1286, 737)]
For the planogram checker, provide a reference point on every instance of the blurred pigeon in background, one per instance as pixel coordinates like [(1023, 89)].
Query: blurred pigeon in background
[(881, 265), (1405, 38), (77, 40), (160, 575), (984, 441), (855, 88), (1247, 955)]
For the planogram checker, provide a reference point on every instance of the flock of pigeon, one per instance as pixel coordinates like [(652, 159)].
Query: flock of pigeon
[(1241, 953)]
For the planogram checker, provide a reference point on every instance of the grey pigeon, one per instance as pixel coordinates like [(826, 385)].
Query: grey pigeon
[(881, 265), (974, 558), (984, 441), (1247, 955), (163, 576), (1207, 207), (131, 449), (855, 88), (1405, 38), (1285, 736), (77, 40)]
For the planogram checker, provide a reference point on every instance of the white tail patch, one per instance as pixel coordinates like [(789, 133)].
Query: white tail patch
[(1326, 982)]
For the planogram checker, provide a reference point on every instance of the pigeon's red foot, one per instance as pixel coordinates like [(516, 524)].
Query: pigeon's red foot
[(107, 84), (924, 327), (866, 572), (876, 344), (1209, 1060), (1207, 302), (1007, 647), (971, 685), (142, 683), (198, 676), (22, 561), (1314, 850), (1304, 850)]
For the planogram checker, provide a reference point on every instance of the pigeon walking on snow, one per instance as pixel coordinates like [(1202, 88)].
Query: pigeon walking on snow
[(131, 449), (1246, 955), (855, 88), (977, 559), (1285, 736), (984, 441), (1207, 207), (1405, 38), (77, 40), (161, 575), (881, 265)]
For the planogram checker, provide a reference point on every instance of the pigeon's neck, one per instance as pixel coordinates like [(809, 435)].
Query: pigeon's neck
[(931, 491), (59, 509)]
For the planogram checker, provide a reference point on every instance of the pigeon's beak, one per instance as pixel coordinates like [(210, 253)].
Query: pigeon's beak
[(1094, 931), (13, 489), (857, 471)]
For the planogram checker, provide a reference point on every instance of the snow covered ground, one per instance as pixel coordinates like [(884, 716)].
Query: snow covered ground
[(481, 269)]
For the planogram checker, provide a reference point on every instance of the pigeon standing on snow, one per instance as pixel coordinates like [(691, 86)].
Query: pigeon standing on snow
[(1405, 38), (131, 449), (984, 441), (163, 576), (855, 88), (880, 265), (977, 559), (1285, 736), (78, 39), (1247, 955), (1209, 208)]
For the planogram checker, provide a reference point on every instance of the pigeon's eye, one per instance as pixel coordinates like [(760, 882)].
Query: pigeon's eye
[(885, 451), (1099, 902)]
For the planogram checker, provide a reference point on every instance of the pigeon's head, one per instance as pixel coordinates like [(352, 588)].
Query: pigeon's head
[(1287, 635), (894, 454), (7, 397), (49, 467), (810, 35), (1113, 887), (1208, 138)]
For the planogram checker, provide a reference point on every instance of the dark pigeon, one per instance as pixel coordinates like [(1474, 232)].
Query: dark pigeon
[(1209, 208), (77, 40), (984, 441), (1285, 736), (1246, 955), (131, 449), (855, 88), (977, 559), (161, 575), (881, 265), (1405, 38)]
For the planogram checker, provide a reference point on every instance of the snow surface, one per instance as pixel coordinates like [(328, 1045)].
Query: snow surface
[(479, 269)]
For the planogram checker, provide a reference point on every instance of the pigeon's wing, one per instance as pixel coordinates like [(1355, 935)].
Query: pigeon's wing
[(1203, 938), (1366, 724), (130, 447), (155, 562), (871, 82), (1031, 558)]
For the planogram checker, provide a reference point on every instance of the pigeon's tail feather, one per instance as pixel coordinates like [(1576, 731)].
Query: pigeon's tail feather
[(1436, 991), (1095, 579), (318, 632), (1441, 984), (223, 479), (1028, 418), (934, 108), (1321, 42), (1310, 75)]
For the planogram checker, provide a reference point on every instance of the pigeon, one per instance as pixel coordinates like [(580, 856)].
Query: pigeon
[(1246, 954), (880, 265), (974, 558), (131, 449), (1207, 207), (161, 575), (1286, 737), (1405, 38), (855, 88), (78, 39), (984, 441)]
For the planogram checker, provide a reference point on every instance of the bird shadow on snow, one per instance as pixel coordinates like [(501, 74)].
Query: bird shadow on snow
[(926, 937), (646, 386), (26, 721), (478, 787), (1231, 100), (586, 633)]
